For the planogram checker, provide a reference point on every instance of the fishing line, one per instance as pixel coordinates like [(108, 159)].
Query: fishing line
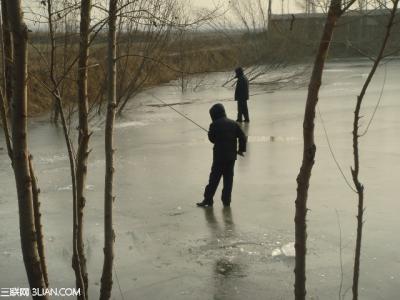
[(119, 286), (178, 112), (189, 119), (377, 104), (332, 153)]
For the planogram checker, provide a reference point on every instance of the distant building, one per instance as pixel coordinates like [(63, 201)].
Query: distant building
[(357, 32)]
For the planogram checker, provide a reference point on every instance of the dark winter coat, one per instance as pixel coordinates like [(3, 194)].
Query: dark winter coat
[(242, 86), (224, 134)]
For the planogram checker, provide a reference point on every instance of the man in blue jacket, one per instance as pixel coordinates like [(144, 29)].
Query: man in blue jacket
[(242, 95), (224, 134)]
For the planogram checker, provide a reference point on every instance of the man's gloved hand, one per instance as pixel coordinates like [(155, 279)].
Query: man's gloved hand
[(240, 153)]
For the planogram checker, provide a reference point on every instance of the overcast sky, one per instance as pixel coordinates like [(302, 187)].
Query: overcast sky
[(276, 5), (31, 7), (207, 3), (210, 3)]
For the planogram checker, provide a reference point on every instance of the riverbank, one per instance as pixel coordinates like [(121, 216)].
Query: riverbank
[(137, 68)]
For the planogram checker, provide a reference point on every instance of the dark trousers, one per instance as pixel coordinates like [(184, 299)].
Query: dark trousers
[(242, 110), (218, 170)]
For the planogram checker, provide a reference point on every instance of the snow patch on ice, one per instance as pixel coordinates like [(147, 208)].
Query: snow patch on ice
[(265, 139), (53, 159), (89, 187), (286, 250), (130, 124)]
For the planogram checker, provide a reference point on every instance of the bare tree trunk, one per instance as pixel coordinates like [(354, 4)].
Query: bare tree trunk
[(38, 222), (7, 72), (3, 100), (303, 179), (59, 112), (269, 14), (76, 264), (4, 121), (56, 111), (356, 170), (182, 55), (20, 146), (35, 189), (109, 235), (84, 135), (8, 56)]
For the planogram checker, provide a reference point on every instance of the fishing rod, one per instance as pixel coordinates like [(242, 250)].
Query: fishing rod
[(270, 138), (177, 111)]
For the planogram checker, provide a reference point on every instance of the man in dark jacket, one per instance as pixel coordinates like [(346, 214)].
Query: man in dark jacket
[(224, 134), (242, 95)]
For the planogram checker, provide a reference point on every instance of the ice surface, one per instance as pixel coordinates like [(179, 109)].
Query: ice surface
[(167, 248)]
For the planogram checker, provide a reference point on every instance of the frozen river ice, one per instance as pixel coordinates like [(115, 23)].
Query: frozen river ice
[(167, 248)]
